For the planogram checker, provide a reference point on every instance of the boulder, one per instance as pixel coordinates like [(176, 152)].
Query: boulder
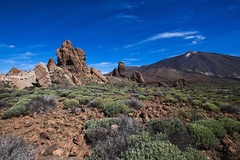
[(162, 84), (180, 82), (42, 75), (98, 74), (137, 77)]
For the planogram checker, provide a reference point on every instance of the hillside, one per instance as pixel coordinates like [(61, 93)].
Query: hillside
[(194, 66)]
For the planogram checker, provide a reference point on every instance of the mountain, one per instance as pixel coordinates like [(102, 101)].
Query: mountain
[(194, 66)]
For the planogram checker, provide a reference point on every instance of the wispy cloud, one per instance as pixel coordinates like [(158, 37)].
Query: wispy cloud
[(131, 59), (104, 67), (159, 50), (126, 16), (169, 35), (186, 35), (22, 56), (6, 46)]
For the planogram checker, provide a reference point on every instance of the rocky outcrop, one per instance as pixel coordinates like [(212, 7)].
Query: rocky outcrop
[(180, 82), (51, 65), (73, 62), (137, 77), (42, 75), (120, 71)]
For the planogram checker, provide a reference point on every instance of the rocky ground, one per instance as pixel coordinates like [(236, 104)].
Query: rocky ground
[(59, 134)]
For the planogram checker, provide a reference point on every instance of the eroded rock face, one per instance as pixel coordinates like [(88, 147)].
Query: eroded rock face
[(180, 82), (137, 77), (120, 71), (42, 75), (73, 62), (51, 65)]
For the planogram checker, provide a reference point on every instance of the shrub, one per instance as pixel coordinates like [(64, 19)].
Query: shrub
[(202, 136), (146, 147), (16, 110), (170, 99), (116, 140), (232, 126), (133, 103), (210, 107), (192, 114), (41, 104), (175, 130), (12, 147), (69, 103), (214, 125), (84, 100), (196, 102), (110, 108), (229, 108), (142, 97)]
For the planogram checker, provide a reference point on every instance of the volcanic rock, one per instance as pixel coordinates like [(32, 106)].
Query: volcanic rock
[(180, 82), (98, 74), (137, 77), (42, 75), (121, 69), (162, 84), (51, 65)]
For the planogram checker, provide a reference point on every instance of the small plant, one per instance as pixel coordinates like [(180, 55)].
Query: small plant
[(84, 100), (211, 107), (114, 141), (70, 103), (196, 102), (214, 125), (170, 99), (229, 108), (133, 103), (142, 97), (12, 147), (175, 130), (232, 126), (16, 110), (41, 104), (202, 136)]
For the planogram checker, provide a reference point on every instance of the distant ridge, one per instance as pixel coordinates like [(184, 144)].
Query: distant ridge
[(195, 66)]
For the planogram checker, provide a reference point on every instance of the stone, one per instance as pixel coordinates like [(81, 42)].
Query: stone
[(58, 152), (162, 84), (98, 74), (121, 69), (42, 75), (180, 82), (137, 77), (49, 150), (51, 65)]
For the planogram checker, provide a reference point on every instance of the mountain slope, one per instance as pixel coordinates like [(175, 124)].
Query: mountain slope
[(193, 66)]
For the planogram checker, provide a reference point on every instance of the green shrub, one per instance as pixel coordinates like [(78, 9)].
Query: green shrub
[(202, 136), (41, 104), (69, 103), (232, 126), (196, 102), (142, 97), (214, 125), (229, 108), (144, 146), (12, 147), (210, 107), (16, 110), (84, 100), (192, 114), (64, 94), (170, 99), (110, 108), (4, 95), (175, 130)]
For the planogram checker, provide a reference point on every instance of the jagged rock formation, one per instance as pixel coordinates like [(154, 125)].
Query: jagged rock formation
[(42, 75), (180, 82), (71, 68), (137, 77), (120, 71)]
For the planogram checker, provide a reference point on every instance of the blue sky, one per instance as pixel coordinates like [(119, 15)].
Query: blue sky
[(137, 32)]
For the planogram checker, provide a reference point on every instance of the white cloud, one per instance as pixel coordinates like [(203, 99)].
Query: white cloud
[(160, 50), (6, 46), (26, 55), (131, 59), (198, 37), (169, 35), (123, 15)]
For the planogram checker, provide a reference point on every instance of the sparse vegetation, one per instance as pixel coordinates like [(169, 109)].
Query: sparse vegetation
[(69, 103), (41, 104), (12, 147)]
